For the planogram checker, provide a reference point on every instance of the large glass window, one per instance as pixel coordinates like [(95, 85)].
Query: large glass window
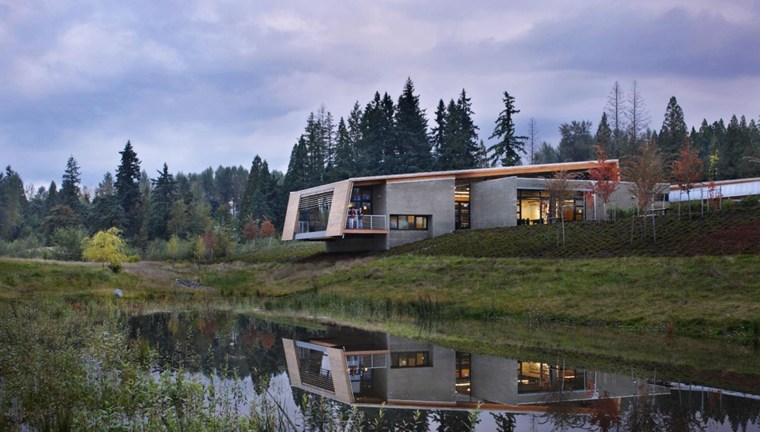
[(538, 207), (410, 359), (361, 198), (409, 222), (314, 212), (535, 377), (462, 207)]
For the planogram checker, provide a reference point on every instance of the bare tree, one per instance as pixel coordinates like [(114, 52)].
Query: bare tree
[(636, 112), (532, 139), (646, 173), (615, 109), (560, 191)]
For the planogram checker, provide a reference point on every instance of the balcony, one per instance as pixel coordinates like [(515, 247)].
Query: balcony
[(367, 223)]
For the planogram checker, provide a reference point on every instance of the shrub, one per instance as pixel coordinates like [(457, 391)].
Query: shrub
[(67, 243)]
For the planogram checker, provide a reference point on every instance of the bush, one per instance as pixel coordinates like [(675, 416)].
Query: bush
[(156, 250), (751, 201), (67, 243), (27, 247)]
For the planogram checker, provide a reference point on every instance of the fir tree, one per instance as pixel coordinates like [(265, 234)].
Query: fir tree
[(507, 150), (461, 144), (603, 137), (345, 154), (70, 190), (576, 143), (412, 145), (258, 191), (162, 197), (438, 133), (673, 134), (127, 187)]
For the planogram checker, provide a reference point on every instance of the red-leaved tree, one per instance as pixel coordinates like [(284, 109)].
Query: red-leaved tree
[(686, 170), (606, 177)]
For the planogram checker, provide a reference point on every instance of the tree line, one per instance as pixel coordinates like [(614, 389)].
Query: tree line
[(385, 136), (219, 206)]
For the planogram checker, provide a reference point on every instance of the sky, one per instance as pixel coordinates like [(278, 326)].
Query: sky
[(199, 83)]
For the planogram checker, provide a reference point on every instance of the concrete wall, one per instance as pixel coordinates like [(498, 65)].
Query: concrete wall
[(493, 203), (494, 379), (435, 384), (434, 198), (367, 242)]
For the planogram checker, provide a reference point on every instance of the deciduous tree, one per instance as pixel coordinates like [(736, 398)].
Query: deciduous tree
[(686, 170), (106, 247), (606, 177)]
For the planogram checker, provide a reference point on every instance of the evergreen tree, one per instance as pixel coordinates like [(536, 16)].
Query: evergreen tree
[(461, 144), (163, 195), (546, 154), (258, 192), (729, 154), (376, 136), (603, 136), (507, 150), (296, 177), (13, 205), (673, 134), (412, 145), (345, 155), (128, 191), (438, 133), (106, 212), (576, 143), (70, 190)]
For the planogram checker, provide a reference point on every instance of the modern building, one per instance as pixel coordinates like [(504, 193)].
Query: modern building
[(722, 189), (371, 369), (381, 212)]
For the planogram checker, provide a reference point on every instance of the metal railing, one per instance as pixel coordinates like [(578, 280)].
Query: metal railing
[(321, 379), (371, 222)]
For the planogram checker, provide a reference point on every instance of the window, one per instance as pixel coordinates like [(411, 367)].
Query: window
[(409, 222), (313, 212), (410, 359)]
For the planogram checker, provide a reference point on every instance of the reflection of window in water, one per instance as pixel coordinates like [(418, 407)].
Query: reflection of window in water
[(534, 377), (537, 207), (410, 359), (463, 373)]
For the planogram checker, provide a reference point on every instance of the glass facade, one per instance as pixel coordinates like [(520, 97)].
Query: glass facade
[(314, 212), (534, 377), (537, 207), (462, 207), (361, 198)]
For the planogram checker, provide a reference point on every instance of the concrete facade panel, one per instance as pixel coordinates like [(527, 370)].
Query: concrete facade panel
[(494, 379), (433, 198), (493, 203), (435, 383)]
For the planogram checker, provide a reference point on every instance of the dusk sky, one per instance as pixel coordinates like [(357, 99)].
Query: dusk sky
[(207, 83)]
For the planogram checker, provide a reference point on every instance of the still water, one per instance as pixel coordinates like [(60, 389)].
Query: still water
[(323, 377)]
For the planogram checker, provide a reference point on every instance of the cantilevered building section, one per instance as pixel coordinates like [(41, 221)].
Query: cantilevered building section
[(378, 213)]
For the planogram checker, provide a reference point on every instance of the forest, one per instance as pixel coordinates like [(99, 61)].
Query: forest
[(216, 209)]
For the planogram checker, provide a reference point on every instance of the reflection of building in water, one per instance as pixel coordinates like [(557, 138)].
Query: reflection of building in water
[(366, 368)]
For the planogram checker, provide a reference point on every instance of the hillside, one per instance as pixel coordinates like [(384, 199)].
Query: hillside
[(735, 231)]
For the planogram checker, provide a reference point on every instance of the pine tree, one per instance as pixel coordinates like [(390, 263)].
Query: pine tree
[(258, 191), (673, 134), (576, 143), (376, 136), (345, 154), (438, 133), (296, 177), (13, 204), (412, 145), (507, 150), (162, 197), (70, 190), (603, 136), (461, 145), (106, 212), (127, 187)]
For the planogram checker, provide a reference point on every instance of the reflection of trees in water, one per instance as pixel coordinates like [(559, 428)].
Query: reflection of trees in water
[(505, 422), (224, 343), (456, 421), (605, 413), (561, 413)]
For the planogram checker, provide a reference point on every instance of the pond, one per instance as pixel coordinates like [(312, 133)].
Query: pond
[(326, 377)]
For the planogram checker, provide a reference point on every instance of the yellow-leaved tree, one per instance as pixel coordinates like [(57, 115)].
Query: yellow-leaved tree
[(106, 247)]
